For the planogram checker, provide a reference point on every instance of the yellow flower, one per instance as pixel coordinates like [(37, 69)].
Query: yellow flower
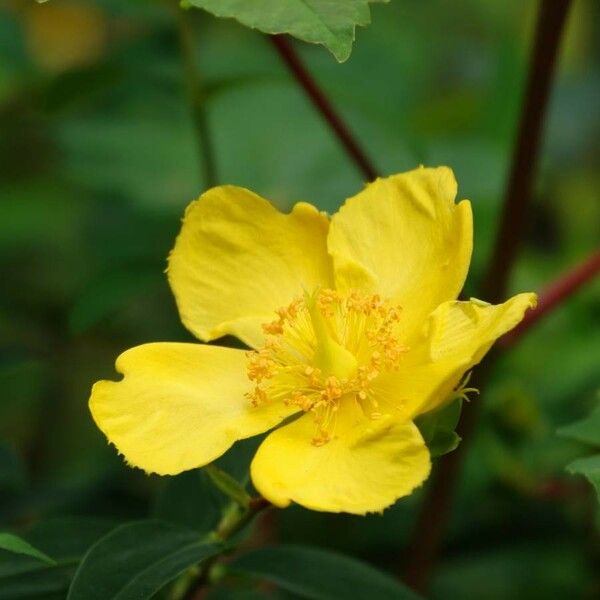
[(355, 330)]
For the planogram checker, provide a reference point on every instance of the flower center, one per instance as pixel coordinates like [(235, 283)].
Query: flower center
[(325, 348)]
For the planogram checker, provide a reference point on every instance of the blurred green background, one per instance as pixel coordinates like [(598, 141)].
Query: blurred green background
[(98, 161)]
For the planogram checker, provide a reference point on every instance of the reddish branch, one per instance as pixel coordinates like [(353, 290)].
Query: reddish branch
[(550, 24), (323, 105), (556, 293), (435, 512)]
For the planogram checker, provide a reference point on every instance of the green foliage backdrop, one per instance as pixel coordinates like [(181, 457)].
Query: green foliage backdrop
[(97, 163)]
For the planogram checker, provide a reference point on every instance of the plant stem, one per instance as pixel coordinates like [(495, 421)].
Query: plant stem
[(197, 98), (323, 105), (551, 20), (228, 528), (437, 503), (435, 512), (232, 523), (555, 294)]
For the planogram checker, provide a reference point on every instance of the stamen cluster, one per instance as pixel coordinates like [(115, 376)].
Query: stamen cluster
[(287, 369)]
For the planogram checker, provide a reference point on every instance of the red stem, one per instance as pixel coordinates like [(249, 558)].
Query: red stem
[(555, 294), (434, 516), (323, 105), (437, 503), (550, 24)]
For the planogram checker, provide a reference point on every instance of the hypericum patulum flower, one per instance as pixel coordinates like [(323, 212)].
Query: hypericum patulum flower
[(354, 327)]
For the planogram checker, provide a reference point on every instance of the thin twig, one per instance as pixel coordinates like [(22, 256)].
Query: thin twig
[(323, 105), (197, 97), (517, 199), (228, 529), (556, 293), (229, 526), (437, 502), (435, 512)]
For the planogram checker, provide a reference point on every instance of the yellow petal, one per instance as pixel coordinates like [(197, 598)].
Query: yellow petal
[(455, 338), (366, 467), (404, 238), (179, 406), (237, 259)]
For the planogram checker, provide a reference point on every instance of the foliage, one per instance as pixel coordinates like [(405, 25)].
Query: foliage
[(65, 540), (97, 162), (153, 554), (588, 467), (13, 543), (586, 431), (318, 575), (319, 21), (437, 428)]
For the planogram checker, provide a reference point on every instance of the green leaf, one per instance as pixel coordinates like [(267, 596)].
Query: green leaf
[(66, 540), (444, 443), (12, 472), (14, 543), (236, 461), (136, 560), (228, 485), (13, 480), (331, 23), (43, 584), (190, 500), (589, 467), (586, 430), (437, 428), (320, 575)]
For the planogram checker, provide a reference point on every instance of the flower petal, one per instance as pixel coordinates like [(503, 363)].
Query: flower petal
[(366, 467), (404, 238), (179, 406), (455, 338), (237, 259)]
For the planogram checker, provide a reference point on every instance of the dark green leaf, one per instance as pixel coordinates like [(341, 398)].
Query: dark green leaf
[(437, 428), (589, 467), (13, 480), (45, 583), (228, 485), (320, 575), (66, 540), (136, 560), (586, 430), (227, 590), (443, 443), (12, 473), (328, 22), (190, 500), (236, 461), (17, 545)]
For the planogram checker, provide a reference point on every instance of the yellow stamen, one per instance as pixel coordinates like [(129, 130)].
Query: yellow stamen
[(323, 349)]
